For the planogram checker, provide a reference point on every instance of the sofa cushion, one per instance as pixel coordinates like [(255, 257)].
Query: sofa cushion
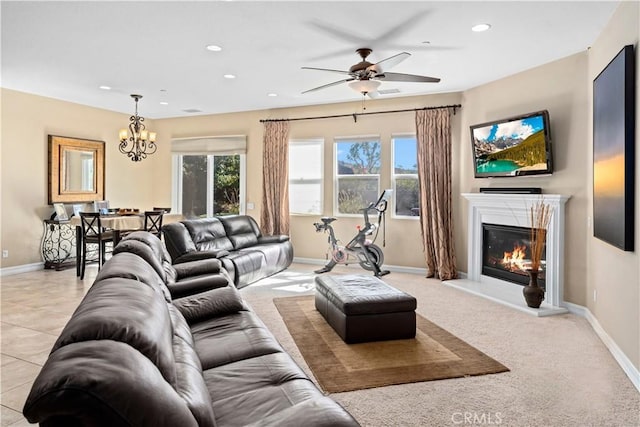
[(213, 303), (261, 386), (123, 310), (242, 230), (144, 251), (230, 338), (177, 239), (208, 234), (103, 383), (321, 411), (131, 266)]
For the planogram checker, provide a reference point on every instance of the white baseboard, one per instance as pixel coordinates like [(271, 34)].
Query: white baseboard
[(25, 268), (393, 268), (627, 366)]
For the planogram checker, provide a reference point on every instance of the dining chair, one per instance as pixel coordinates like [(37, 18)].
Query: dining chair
[(153, 222), (166, 210), (93, 233)]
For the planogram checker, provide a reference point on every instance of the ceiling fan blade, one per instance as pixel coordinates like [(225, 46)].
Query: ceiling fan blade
[(401, 27), (400, 77), (389, 62), (326, 69), (328, 85)]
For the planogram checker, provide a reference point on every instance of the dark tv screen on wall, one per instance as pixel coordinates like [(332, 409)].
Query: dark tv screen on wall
[(514, 146)]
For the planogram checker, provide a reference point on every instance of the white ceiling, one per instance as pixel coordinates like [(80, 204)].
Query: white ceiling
[(66, 50)]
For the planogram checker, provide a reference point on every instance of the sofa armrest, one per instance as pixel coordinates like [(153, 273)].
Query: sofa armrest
[(197, 268), (198, 284), (199, 255), (273, 239), (213, 303)]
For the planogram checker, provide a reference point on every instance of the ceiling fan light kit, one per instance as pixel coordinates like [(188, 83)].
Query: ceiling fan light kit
[(364, 86), (365, 77)]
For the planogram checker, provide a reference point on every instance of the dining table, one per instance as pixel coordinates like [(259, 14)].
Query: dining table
[(116, 223)]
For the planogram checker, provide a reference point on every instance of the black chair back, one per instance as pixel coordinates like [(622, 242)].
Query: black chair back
[(166, 210), (153, 222), (93, 232), (91, 224)]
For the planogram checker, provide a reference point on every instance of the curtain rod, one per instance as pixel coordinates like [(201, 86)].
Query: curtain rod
[(355, 115)]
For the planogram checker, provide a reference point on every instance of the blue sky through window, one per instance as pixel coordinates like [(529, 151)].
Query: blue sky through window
[(405, 154)]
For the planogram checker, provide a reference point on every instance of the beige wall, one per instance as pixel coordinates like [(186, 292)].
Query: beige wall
[(402, 236), (615, 274), (26, 122), (561, 88)]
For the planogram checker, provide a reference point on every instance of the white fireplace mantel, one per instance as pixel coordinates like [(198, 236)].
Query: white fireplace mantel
[(514, 210)]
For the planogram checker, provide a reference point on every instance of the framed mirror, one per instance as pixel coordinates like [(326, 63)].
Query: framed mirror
[(76, 170)]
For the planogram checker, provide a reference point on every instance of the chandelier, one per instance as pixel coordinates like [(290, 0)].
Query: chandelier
[(137, 143)]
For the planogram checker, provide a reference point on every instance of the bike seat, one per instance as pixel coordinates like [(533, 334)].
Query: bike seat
[(327, 220)]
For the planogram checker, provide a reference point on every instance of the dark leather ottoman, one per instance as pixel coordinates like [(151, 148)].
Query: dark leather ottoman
[(364, 308)]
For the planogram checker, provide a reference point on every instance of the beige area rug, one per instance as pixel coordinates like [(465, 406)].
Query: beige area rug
[(434, 354)]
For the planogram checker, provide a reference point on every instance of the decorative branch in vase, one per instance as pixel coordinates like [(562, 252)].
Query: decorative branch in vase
[(540, 216)]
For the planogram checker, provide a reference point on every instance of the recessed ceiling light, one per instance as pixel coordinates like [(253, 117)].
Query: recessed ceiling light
[(480, 28), (272, 94), (105, 87), (214, 48), (164, 103), (229, 76)]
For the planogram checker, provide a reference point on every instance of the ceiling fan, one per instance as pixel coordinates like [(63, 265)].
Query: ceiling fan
[(365, 77)]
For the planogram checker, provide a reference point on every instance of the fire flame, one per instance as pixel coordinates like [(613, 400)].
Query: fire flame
[(515, 260)]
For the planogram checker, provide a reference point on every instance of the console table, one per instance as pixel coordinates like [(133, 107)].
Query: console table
[(58, 244)]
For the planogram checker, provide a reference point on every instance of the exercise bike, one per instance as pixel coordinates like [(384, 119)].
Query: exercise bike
[(360, 249)]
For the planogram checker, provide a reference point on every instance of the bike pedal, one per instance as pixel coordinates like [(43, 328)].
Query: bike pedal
[(383, 273)]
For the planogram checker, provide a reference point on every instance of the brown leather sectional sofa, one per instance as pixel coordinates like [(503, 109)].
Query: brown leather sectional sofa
[(235, 240), (135, 354)]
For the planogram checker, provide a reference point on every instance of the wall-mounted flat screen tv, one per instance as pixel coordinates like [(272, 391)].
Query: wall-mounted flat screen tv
[(515, 146)]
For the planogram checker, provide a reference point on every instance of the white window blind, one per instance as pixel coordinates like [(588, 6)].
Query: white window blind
[(230, 144)]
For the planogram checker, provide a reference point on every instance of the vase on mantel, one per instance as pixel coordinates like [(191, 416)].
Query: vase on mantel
[(533, 294)]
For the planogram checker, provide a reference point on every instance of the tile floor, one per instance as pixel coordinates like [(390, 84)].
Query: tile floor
[(34, 308)]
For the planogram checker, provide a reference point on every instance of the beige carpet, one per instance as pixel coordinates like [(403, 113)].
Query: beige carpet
[(434, 354)]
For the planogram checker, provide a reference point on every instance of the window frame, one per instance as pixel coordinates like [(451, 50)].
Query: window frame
[(395, 176), (336, 176), (176, 173), (308, 141)]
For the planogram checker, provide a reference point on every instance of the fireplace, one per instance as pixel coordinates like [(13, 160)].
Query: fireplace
[(513, 211), (506, 254)]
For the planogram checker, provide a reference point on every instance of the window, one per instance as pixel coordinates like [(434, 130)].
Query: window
[(210, 185), (209, 176), (405, 176), (305, 176), (357, 169)]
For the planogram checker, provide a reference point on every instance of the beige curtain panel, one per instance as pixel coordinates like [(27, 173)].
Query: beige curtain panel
[(433, 130), (274, 218)]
